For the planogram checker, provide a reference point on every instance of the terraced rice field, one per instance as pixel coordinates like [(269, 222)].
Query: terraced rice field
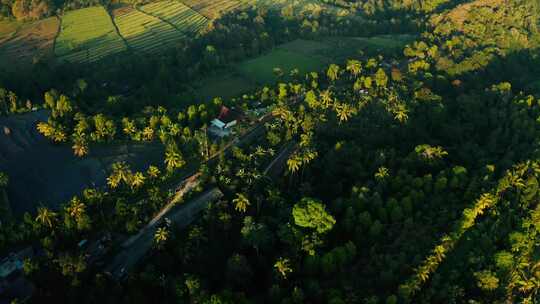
[(145, 33), (87, 35), (7, 29), (213, 8), (32, 41), (178, 14)]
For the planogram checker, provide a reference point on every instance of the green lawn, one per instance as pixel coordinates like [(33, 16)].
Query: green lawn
[(87, 35), (261, 69)]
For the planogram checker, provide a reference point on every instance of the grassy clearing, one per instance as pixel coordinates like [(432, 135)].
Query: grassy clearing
[(227, 86), (87, 35), (261, 69), (31, 42), (387, 45), (178, 14), (146, 33), (307, 47), (386, 41), (213, 8)]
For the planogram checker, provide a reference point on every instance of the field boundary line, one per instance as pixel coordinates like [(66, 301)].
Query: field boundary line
[(128, 47), (163, 20), (56, 35), (196, 11)]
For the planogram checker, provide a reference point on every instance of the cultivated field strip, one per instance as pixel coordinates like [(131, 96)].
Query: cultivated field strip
[(31, 41), (212, 9), (178, 14), (87, 35), (146, 33)]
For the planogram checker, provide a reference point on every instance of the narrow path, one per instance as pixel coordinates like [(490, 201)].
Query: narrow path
[(196, 11), (163, 20), (56, 35), (128, 47)]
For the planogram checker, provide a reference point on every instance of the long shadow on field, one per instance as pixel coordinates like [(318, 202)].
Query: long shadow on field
[(43, 173)]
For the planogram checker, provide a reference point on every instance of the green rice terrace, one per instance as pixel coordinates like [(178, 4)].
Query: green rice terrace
[(89, 34)]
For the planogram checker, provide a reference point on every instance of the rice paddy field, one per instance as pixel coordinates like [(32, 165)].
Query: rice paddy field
[(24, 44), (90, 34), (177, 14), (213, 8), (7, 29), (87, 35), (145, 33)]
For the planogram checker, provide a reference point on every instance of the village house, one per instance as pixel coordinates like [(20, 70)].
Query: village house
[(222, 126)]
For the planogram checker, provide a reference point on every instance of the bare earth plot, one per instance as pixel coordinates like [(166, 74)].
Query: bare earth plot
[(178, 14), (51, 170), (145, 33), (32, 41), (212, 9), (87, 35)]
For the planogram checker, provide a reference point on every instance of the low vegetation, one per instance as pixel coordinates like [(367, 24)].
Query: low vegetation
[(87, 35)]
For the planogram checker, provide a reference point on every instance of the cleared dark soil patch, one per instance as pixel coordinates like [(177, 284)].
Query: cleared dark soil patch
[(44, 173)]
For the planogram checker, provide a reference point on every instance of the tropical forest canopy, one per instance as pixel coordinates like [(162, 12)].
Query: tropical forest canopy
[(385, 151)]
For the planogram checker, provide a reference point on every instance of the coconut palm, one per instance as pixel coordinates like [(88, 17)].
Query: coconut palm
[(173, 159), (161, 236), (282, 265), (46, 217), (333, 72), (241, 202), (137, 180), (76, 208), (354, 67)]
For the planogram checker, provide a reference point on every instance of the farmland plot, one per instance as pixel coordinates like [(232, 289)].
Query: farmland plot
[(87, 35), (146, 33), (178, 14), (7, 29), (213, 8), (31, 41)]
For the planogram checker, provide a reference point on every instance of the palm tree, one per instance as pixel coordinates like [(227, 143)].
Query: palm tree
[(344, 111), (80, 146), (153, 171), (76, 208), (326, 98), (46, 217), (173, 160), (137, 180), (148, 133), (241, 202), (282, 265), (354, 67), (161, 236), (333, 72), (294, 163)]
